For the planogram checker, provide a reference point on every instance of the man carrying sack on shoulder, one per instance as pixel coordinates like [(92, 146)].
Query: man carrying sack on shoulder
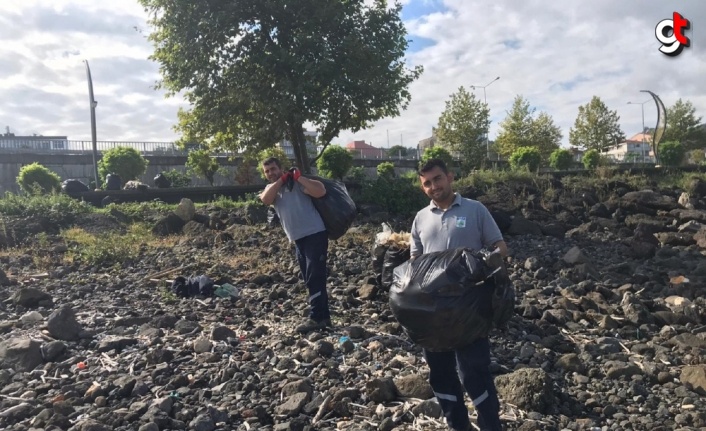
[(303, 225)]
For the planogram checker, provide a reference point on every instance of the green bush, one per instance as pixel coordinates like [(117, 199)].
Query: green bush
[(335, 162), (386, 170), (57, 209), (124, 161), (396, 196), (526, 158), (357, 175), (671, 153), (591, 159), (35, 178), (561, 159), (177, 179), (437, 153), (201, 163)]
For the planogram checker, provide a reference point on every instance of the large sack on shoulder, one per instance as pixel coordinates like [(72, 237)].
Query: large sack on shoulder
[(336, 207), (443, 300)]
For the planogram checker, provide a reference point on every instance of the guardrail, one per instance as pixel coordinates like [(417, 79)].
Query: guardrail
[(155, 149)]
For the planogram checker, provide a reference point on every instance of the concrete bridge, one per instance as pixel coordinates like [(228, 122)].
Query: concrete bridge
[(79, 165)]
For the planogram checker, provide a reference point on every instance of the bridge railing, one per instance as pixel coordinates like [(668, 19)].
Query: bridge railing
[(156, 148)]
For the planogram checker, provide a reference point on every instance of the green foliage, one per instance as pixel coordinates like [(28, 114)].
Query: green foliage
[(124, 161), (396, 196), (202, 164), (386, 170), (591, 159), (334, 162), (178, 179), (256, 71), (437, 152), (671, 153), (697, 156), (521, 129), (105, 250), (561, 159), (57, 209), (462, 127), (526, 158), (596, 127), (488, 179), (396, 151), (357, 175), (683, 126), (35, 178)]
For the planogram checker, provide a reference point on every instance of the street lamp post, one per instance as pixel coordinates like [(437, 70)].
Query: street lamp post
[(487, 129), (642, 107)]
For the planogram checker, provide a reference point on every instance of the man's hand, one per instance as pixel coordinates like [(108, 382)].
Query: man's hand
[(285, 177), (295, 173)]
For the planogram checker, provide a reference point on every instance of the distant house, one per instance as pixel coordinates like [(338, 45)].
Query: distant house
[(10, 141), (577, 153), (427, 142), (310, 144), (636, 149), (360, 149)]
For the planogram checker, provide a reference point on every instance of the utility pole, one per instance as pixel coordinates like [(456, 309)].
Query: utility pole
[(487, 129)]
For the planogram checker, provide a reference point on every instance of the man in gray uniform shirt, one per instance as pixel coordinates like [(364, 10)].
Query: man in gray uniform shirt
[(449, 222), (303, 226)]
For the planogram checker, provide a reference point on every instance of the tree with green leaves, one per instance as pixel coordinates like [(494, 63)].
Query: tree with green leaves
[(126, 162), (201, 163), (561, 159), (386, 170), (35, 178), (256, 71), (684, 126), (397, 151), (591, 159), (596, 127), (521, 128), (671, 153), (335, 162), (437, 152), (526, 158), (462, 127)]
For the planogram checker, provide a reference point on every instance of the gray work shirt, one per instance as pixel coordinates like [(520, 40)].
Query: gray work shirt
[(465, 224), (296, 212)]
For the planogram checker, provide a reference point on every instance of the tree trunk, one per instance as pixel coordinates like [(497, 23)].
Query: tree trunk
[(298, 140)]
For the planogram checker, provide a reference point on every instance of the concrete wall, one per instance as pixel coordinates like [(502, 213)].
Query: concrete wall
[(80, 167)]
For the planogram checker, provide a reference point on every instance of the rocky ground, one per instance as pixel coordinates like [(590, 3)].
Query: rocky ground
[(609, 332)]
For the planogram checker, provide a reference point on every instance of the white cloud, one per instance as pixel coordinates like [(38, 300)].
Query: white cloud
[(556, 54)]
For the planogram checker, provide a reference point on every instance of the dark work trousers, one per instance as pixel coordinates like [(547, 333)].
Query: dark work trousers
[(312, 253), (473, 361)]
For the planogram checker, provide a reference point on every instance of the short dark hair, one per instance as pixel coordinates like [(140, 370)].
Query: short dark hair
[(271, 160), (431, 164)]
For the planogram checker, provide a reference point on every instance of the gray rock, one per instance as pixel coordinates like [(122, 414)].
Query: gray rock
[(62, 324), (29, 297), (20, 354), (414, 386), (528, 388)]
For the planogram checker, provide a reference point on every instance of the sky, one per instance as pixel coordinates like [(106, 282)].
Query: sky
[(557, 55)]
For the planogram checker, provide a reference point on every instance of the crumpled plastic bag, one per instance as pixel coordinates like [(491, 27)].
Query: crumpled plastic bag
[(227, 290)]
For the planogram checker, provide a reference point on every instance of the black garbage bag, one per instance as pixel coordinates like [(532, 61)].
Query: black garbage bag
[(73, 186), (200, 285), (336, 207), (113, 182), (443, 300), (394, 257), (503, 303), (161, 181), (272, 217)]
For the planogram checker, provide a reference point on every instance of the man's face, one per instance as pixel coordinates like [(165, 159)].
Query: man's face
[(437, 185), (272, 172)]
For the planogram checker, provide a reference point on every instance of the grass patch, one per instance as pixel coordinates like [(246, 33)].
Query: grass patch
[(106, 249), (59, 209)]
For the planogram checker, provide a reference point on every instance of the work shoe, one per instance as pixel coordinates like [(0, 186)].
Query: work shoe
[(313, 325)]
